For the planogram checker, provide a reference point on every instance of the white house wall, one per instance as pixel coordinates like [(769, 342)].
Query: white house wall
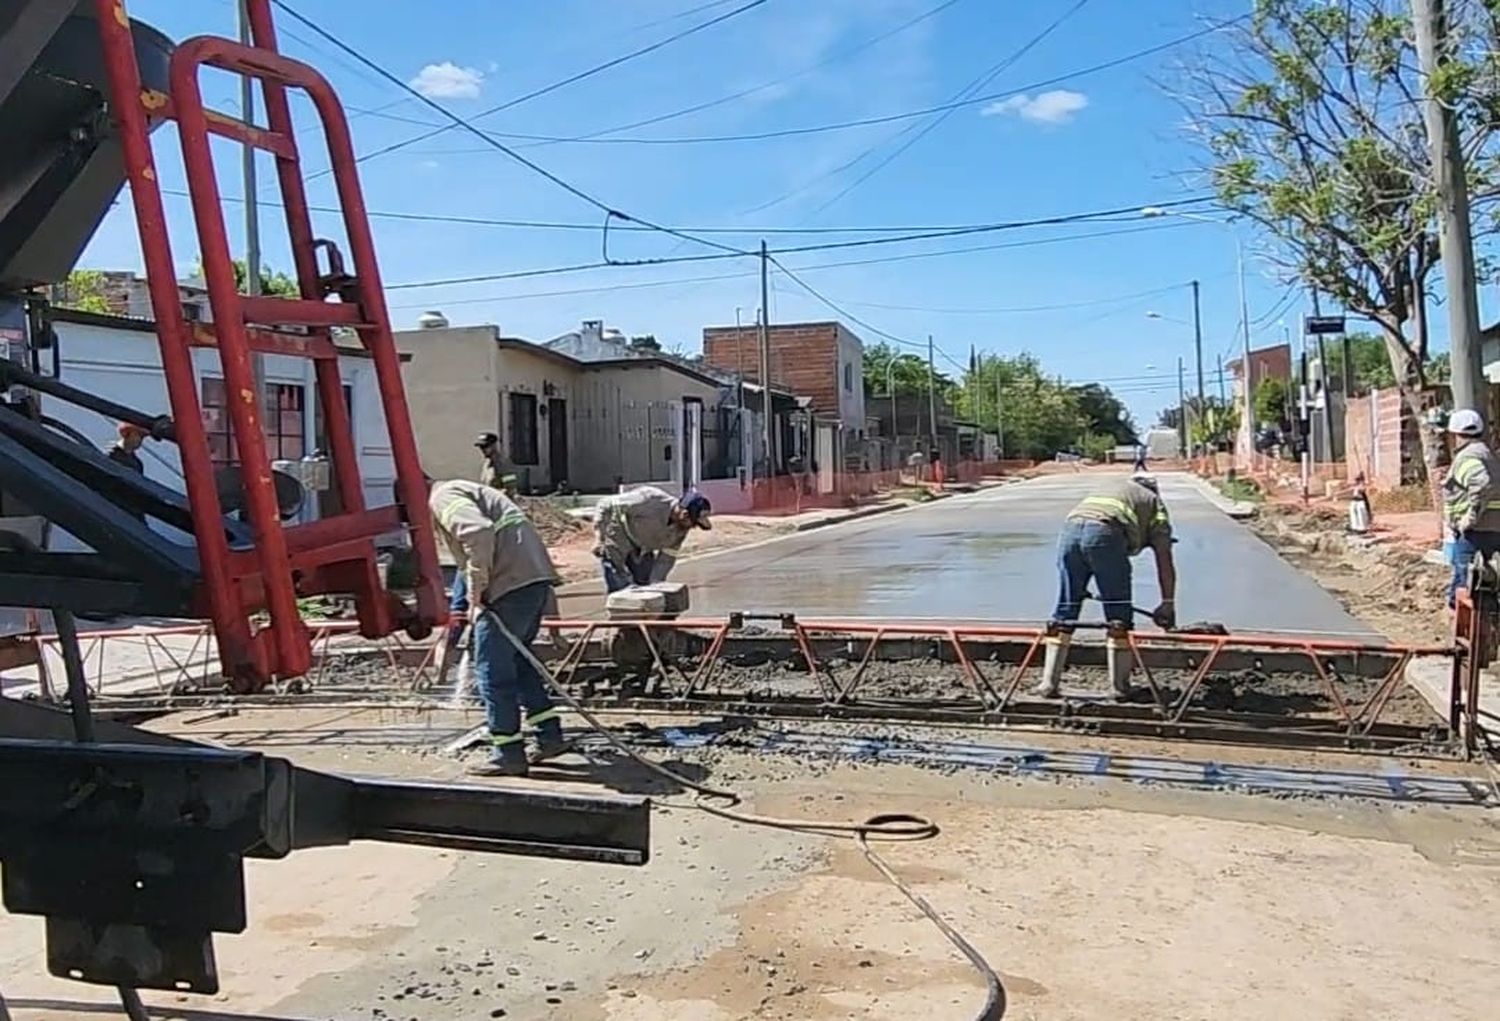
[(124, 365)]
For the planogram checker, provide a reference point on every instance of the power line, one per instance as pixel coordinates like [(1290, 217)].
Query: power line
[(1031, 243), (485, 221), (760, 136), (974, 86), (1015, 309), (609, 211), (563, 82), (710, 104), (1110, 215)]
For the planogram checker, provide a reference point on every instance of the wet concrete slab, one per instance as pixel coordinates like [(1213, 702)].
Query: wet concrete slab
[(992, 556)]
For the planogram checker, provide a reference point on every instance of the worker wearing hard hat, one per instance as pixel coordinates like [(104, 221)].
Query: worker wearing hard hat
[(1102, 533), (509, 579), (640, 531), (493, 471), (1471, 496)]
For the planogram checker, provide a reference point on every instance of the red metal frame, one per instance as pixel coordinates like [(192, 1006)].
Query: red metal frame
[(1354, 720), (336, 554)]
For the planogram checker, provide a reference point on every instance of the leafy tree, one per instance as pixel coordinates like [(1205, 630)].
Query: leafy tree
[(271, 282), (1169, 418), (884, 367), (1104, 413), (648, 342), (1312, 125), (1273, 401), (84, 290)]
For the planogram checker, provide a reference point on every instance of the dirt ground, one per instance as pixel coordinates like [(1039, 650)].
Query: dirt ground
[(1093, 899), (1387, 585)]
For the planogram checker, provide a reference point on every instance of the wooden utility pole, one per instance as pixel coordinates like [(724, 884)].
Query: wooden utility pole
[(1454, 238), (999, 414), (1182, 430), (931, 395), (765, 359), (1198, 350)]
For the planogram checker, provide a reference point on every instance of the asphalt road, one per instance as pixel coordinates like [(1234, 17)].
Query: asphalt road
[(992, 556)]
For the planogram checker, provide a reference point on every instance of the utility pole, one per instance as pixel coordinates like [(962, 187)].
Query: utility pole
[(1221, 380), (1328, 452), (1239, 262), (252, 213), (1182, 433), (1198, 349), (890, 389), (999, 414), (765, 357), (1454, 239), (931, 394)]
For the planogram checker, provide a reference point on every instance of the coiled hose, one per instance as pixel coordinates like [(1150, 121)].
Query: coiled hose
[(724, 803)]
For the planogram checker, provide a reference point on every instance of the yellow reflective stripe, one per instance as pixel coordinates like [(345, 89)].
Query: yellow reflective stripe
[(1465, 469), (510, 519), (445, 516), (1160, 517), (542, 717), (1110, 503), (501, 740)]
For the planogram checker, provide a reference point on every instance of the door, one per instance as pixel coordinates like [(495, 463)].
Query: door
[(557, 441)]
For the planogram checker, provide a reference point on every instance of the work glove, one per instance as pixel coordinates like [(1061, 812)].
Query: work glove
[(1165, 615)]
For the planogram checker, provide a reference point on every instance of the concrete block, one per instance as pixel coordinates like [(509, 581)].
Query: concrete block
[(634, 603), (674, 595)]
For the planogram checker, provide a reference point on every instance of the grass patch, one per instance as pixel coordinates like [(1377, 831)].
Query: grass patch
[(1240, 490)]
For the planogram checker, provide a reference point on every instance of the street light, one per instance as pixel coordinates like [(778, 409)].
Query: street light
[(1239, 259)]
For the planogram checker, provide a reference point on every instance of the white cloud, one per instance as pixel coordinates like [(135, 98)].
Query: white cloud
[(1055, 107), (448, 81)]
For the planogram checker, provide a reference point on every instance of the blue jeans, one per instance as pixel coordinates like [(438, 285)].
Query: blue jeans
[(639, 572), (506, 680), (1093, 551), (458, 603), (1465, 547)]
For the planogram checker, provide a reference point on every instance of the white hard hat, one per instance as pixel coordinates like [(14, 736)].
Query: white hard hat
[(1141, 478), (1466, 422)]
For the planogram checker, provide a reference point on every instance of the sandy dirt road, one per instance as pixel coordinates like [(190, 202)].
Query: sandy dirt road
[(1094, 900)]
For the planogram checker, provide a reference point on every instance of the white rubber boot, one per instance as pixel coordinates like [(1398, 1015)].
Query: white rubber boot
[(1054, 660), (1118, 661)]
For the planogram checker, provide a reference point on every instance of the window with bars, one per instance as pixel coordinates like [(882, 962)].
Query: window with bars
[(282, 418)]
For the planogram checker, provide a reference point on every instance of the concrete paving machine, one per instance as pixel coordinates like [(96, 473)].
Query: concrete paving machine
[(132, 845)]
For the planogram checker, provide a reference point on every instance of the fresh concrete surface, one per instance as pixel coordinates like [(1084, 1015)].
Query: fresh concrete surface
[(991, 556)]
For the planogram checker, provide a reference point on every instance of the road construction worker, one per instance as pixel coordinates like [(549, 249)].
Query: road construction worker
[(1102, 533), (493, 471), (640, 531), (123, 450), (1471, 496), (508, 580)]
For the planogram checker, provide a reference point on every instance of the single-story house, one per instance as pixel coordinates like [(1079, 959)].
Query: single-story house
[(119, 357)]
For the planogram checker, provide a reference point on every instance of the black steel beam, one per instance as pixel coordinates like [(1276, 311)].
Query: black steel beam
[(159, 426), (86, 583), (76, 507)]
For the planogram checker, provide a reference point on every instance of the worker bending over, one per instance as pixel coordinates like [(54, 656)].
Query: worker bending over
[(1102, 533), (640, 532), (1471, 496), (508, 577)]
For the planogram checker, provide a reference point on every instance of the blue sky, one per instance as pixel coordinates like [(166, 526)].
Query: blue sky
[(1098, 141)]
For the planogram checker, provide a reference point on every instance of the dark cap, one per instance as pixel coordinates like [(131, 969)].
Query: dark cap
[(486, 440), (697, 508)]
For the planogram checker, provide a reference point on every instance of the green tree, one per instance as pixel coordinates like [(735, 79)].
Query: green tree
[(1273, 401), (1104, 415), (1313, 131), (885, 366), (271, 282), (83, 290)]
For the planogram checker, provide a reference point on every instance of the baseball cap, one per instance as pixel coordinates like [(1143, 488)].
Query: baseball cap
[(486, 440), (1466, 422), (697, 508)]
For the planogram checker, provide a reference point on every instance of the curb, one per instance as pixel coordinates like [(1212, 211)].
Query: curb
[(1235, 509), (864, 512)]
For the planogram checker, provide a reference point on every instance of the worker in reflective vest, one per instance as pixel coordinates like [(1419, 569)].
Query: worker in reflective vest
[(640, 531), (1102, 533), (509, 578), (1471, 496)]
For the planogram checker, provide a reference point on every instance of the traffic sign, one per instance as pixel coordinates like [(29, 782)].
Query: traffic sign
[(1314, 325)]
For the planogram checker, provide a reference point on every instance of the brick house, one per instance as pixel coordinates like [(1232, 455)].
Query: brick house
[(822, 361)]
